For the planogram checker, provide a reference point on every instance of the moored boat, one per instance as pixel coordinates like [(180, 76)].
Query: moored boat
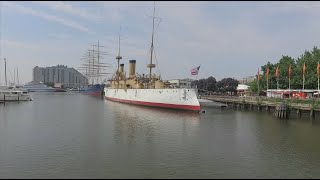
[(40, 87), (94, 90), (14, 95), (148, 90)]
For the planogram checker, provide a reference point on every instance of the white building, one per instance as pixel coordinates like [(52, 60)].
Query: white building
[(242, 89), (181, 83)]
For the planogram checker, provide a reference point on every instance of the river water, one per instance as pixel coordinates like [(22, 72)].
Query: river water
[(65, 135)]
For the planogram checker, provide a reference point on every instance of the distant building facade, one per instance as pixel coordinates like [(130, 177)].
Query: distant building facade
[(60, 74), (246, 80), (181, 83)]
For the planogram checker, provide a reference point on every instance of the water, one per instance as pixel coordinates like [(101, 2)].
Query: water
[(76, 136)]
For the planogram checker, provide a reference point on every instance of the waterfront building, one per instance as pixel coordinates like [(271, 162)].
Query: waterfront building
[(60, 74), (293, 93), (181, 83), (246, 80), (243, 90)]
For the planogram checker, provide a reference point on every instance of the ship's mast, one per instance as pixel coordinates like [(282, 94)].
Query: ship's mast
[(18, 76), (5, 70), (90, 70), (98, 66), (93, 66), (98, 70), (118, 58), (150, 66)]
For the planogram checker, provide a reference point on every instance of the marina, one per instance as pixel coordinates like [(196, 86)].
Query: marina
[(171, 94), (56, 136)]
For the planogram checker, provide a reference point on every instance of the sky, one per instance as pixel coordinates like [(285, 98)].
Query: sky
[(226, 39)]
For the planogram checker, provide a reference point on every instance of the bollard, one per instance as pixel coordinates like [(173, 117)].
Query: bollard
[(312, 114), (298, 113)]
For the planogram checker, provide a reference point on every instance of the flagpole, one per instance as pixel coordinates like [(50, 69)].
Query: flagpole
[(303, 83), (277, 74), (258, 82), (303, 72), (198, 72), (258, 88), (289, 80), (267, 73), (318, 71), (289, 88), (318, 82)]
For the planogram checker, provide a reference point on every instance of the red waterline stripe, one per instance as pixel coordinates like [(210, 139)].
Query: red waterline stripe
[(174, 106), (94, 93)]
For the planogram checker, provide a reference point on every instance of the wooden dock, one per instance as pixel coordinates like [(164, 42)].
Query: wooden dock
[(265, 103)]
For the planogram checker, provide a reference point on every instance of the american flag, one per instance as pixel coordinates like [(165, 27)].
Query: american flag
[(195, 71)]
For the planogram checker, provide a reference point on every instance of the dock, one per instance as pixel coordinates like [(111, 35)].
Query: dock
[(268, 104)]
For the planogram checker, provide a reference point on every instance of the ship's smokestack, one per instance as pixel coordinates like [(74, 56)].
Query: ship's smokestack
[(132, 68), (121, 67)]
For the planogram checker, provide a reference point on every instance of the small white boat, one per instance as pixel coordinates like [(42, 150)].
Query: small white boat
[(14, 95)]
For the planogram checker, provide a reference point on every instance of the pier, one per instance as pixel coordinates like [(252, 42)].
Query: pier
[(311, 106)]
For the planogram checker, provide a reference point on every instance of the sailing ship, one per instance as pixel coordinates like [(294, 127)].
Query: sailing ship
[(93, 69), (148, 90)]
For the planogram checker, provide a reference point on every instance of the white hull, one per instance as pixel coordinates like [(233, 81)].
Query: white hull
[(15, 97), (168, 98)]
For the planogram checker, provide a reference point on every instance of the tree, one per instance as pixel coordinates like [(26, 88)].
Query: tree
[(227, 85), (211, 84), (310, 58)]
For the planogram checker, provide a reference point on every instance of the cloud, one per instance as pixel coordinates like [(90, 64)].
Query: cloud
[(305, 7), (46, 16), (69, 9), (226, 38), (59, 36), (27, 45)]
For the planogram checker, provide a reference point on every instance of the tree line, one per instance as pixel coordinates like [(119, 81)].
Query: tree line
[(210, 84), (309, 58)]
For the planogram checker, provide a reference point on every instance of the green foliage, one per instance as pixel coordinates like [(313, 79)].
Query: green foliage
[(49, 84), (311, 58), (227, 85), (210, 84)]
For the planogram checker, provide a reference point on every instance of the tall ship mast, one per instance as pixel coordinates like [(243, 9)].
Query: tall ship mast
[(148, 90), (94, 69)]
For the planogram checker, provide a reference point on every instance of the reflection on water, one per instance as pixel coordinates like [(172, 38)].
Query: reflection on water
[(75, 136), (138, 121)]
